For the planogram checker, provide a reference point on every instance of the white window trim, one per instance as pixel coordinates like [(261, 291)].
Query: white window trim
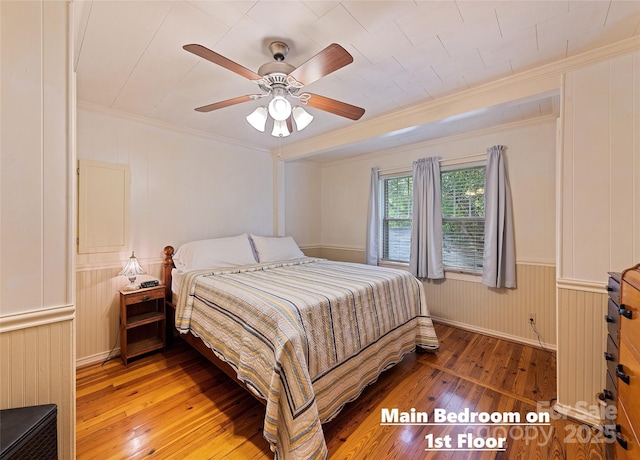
[(452, 165), (381, 178)]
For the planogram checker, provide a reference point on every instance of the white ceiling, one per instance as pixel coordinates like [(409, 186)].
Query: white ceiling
[(129, 57)]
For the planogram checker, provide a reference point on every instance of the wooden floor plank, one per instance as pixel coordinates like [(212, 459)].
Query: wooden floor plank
[(176, 405)]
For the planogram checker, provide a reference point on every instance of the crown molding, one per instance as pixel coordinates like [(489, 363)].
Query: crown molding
[(541, 79), (167, 126)]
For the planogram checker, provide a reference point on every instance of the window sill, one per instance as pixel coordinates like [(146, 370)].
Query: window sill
[(448, 274), (393, 264), (463, 276)]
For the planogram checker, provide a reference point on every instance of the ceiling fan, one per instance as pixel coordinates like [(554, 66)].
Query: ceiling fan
[(282, 82)]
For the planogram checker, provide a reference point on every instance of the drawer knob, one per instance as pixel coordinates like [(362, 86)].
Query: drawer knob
[(609, 319), (145, 298), (608, 356), (621, 375), (626, 312)]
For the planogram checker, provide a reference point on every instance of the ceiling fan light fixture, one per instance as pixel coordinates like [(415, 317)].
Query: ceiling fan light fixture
[(258, 118), (279, 108), (301, 117), (280, 128)]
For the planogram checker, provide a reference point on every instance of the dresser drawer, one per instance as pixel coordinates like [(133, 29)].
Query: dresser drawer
[(628, 381), (627, 446), (611, 355), (612, 319), (611, 392), (613, 286), (630, 320)]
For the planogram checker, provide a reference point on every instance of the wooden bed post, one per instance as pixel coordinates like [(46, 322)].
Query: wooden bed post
[(167, 266)]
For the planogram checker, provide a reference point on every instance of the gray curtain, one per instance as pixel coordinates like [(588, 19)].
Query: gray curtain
[(426, 229), (372, 246), (499, 269)]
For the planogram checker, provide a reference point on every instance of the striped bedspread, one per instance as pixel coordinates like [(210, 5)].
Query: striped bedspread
[(306, 335)]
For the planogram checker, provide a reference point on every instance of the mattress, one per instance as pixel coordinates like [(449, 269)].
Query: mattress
[(306, 335)]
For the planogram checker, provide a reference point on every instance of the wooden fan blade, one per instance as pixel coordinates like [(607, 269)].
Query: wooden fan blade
[(330, 59), (227, 103), (219, 59), (336, 107)]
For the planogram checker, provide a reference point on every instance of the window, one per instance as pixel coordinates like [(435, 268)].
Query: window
[(462, 218), (396, 218)]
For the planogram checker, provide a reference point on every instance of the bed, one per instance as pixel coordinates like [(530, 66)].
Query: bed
[(304, 335)]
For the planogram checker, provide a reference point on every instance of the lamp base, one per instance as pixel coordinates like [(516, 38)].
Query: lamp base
[(131, 287)]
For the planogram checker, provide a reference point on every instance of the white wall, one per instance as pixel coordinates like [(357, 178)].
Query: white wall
[(302, 196), (531, 161), (183, 186), (37, 308), (35, 165), (599, 209), (600, 201)]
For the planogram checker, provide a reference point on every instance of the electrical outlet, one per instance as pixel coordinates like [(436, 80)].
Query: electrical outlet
[(532, 318)]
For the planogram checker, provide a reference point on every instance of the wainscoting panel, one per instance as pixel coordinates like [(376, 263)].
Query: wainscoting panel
[(36, 367), (500, 312), (581, 346), (98, 310)]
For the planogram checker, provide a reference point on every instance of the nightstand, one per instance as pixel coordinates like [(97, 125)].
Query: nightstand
[(142, 322)]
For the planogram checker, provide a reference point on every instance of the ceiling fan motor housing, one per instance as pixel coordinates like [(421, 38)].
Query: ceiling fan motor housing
[(279, 50)]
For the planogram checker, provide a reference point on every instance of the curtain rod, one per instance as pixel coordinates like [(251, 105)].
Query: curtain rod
[(448, 161)]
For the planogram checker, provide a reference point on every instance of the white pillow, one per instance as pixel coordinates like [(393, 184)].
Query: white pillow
[(274, 249), (215, 253)]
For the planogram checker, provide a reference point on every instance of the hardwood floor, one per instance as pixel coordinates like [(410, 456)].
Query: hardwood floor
[(175, 405)]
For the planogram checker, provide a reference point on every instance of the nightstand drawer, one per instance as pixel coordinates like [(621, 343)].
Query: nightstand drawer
[(143, 295)]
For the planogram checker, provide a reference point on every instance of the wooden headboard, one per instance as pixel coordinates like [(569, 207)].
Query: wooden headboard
[(167, 266)]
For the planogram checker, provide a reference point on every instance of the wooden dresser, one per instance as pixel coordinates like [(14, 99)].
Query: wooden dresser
[(628, 367), (609, 393)]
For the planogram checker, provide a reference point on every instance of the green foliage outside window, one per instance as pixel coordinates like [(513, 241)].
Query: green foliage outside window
[(396, 222), (462, 218)]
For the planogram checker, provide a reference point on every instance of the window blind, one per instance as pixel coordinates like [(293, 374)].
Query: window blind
[(463, 218), (396, 220)]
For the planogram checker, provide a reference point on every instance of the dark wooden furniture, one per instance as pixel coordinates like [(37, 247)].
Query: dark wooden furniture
[(608, 395), (28, 433), (142, 322), (628, 367)]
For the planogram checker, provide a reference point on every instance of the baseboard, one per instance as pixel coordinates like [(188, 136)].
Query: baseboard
[(97, 358), (492, 333), (578, 415)]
